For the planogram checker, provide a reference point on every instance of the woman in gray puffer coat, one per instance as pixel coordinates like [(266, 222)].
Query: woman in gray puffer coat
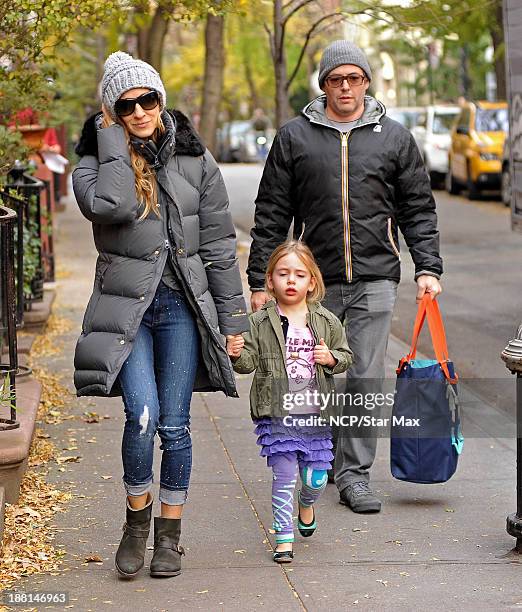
[(166, 289)]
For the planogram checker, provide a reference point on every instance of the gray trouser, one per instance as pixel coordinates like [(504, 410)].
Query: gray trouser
[(365, 308)]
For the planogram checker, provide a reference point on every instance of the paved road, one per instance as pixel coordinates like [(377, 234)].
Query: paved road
[(242, 181), (481, 302)]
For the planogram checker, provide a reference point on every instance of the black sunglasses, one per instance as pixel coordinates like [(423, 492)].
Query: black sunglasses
[(125, 106)]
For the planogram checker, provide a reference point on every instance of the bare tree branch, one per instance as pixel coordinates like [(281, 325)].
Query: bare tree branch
[(270, 40), (309, 35), (290, 2), (329, 25), (297, 8)]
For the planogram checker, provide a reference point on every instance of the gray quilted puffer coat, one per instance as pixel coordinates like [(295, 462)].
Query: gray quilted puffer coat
[(197, 233)]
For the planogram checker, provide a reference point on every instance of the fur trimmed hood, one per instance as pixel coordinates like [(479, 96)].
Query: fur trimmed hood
[(188, 141)]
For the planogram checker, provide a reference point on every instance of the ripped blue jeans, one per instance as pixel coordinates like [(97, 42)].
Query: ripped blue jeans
[(157, 381)]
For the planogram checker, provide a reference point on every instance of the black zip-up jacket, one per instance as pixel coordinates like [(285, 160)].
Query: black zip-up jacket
[(349, 192)]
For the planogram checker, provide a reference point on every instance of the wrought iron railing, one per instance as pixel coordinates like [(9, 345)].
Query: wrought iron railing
[(30, 189), (17, 205), (8, 346)]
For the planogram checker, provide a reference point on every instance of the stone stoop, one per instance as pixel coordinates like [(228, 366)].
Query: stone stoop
[(16, 443)]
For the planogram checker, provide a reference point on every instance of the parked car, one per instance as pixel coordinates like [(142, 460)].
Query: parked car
[(433, 136), (238, 141), (475, 154), (505, 181), (408, 116)]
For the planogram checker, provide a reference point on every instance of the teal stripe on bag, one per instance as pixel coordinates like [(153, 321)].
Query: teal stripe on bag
[(422, 363)]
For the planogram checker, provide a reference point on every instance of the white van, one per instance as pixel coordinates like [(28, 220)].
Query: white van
[(433, 136)]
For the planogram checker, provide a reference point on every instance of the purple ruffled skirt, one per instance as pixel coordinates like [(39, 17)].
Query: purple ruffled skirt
[(313, 443)]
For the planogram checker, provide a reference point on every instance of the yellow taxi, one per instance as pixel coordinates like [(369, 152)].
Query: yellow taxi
[(475, 153)]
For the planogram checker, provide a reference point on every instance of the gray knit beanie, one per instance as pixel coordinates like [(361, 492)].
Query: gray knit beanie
[(342, 52), (121, 73)]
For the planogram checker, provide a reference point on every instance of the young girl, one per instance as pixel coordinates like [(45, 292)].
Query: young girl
[(295, 347)]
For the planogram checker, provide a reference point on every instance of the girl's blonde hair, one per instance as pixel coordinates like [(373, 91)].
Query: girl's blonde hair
[(305, 255), (144, 177)]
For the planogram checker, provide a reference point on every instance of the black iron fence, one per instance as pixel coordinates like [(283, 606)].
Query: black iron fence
[(17, 205), (38, 258), (8, 347)]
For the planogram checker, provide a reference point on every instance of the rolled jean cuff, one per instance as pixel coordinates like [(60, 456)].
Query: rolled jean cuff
[(139, 489), (176, 497)]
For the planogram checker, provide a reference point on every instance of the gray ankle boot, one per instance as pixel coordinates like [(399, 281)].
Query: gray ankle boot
[(131, 551), (166, 560)]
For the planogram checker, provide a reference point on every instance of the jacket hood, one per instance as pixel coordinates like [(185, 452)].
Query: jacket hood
[(315, 111), (179, 129)]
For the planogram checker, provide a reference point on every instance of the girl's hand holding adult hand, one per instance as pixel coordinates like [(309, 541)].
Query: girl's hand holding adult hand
[(322, 354), (235, 345)]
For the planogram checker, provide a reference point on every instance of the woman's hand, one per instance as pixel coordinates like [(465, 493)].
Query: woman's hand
[(322, 354), (235, 345), (107, 119)]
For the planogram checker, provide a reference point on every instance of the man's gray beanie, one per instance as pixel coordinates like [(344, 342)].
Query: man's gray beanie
[(121, 73), (342, 52)]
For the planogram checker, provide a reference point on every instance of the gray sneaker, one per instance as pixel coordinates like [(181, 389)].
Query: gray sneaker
[(360, 498)]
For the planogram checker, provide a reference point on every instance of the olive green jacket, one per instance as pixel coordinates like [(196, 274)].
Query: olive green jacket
[(265, 352)]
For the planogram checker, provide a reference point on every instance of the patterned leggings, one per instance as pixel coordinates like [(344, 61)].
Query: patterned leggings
[(284, 468)]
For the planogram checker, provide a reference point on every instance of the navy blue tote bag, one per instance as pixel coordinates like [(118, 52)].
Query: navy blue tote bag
[(426, 438)]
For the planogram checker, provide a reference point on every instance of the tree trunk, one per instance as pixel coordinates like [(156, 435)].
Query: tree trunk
[(156, 36), (142, 37), (213, 79), (254, 95), (279, 61), (497, 35), (141, 16)]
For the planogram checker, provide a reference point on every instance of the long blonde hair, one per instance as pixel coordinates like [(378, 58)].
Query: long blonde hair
[(144, 176), (300, 249)]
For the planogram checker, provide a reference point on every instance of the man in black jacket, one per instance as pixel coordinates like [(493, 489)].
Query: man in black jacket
[(349, 177)]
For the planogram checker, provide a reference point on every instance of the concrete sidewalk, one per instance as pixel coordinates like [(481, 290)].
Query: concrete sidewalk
[(432, 547)]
